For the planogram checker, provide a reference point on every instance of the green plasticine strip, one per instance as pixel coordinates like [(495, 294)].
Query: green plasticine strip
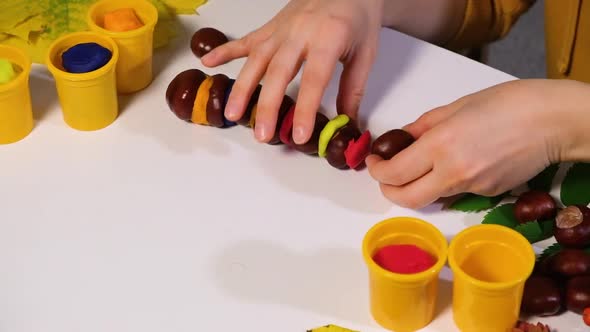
[(329, 131), (7, 73)]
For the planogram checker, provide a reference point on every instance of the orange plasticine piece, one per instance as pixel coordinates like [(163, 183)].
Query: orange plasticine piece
[(120, 20)]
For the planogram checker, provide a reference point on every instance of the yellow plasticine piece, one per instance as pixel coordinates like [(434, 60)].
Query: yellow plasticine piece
[(252, 121), (329, 131), (331, 328), (199, 115), (124, 19)]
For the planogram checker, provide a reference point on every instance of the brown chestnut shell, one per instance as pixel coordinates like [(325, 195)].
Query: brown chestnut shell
[(571, 262), (577, 295), (206, 39), (541, 297), (391, 143), (215, 104), (534, 205), (339, 143), (182, 91), (311, 147), (577, 236)]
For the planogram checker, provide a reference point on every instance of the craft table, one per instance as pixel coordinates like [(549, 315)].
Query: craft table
[(154, 224)]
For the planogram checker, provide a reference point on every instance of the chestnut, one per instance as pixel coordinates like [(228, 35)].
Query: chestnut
[(311, 147), (339, 143), (182, 91), (572, 227), (391, 143), (571, 262), (543, 267), (541, 297), (206, 39), (534, 205), (577, 294)]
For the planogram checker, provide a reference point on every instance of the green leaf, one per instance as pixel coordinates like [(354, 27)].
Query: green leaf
[(547, 227), (501, 215), (475, 203), (550, 251), (544, 180), (531, 231), (575, 188)]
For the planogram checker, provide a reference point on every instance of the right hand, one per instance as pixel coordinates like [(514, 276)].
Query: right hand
[(321, 33)]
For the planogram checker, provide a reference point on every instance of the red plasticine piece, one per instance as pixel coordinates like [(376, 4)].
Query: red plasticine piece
[(287, 126), (356, 152), (404, 259)]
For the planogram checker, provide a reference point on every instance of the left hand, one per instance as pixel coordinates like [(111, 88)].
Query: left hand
[(485, 143)]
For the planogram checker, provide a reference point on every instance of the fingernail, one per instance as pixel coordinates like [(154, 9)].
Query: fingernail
[(261, 131), (231, 113), (299, 134)]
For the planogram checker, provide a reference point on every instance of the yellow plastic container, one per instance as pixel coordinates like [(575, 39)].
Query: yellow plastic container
[(490, 265), (134, 69), (404, 302), (16, 113), (88, 100)]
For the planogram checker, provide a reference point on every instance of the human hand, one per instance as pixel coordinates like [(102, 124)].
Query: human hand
[(321, 33), (485, 143)]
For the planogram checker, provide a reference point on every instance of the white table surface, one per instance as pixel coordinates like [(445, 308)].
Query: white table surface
[(153, 224)]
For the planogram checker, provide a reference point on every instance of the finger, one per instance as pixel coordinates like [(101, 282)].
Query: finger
[(316, 75), (405, 167), (353, 83), (417, 194), (248, 79), (282, 69), (239, 48)]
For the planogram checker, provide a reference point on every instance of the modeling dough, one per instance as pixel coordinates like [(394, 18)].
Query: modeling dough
[(252, 121), (287, 126), (85, 57), (404, 259), (200, 109), (7, 71), (358, 150), (329, 131), (120, 20)]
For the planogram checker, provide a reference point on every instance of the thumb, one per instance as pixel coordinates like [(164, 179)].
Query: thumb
[(353, 83)]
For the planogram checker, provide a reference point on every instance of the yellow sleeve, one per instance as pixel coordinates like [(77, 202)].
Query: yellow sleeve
[(485, 21)]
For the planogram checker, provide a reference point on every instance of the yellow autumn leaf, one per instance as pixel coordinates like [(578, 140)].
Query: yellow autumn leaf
[(33, 25), (184, 6)]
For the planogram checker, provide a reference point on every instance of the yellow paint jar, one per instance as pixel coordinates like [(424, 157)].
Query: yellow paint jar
[(134, 68), (88, 100), (16, 113), (490, 265), (404, 302)]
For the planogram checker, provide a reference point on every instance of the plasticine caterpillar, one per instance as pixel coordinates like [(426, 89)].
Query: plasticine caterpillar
[(199, 98)]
